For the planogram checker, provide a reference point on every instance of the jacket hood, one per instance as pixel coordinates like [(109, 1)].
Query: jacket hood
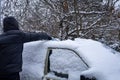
[(10, 23)]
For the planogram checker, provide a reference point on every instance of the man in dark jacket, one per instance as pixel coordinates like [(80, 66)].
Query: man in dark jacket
[(11, 47)]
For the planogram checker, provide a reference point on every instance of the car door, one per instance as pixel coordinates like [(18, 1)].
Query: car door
[(63, 64)]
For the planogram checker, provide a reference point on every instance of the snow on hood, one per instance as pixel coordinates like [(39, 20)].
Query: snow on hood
[(102, 60)]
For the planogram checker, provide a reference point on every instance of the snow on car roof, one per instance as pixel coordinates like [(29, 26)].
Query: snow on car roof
[(101, 59)]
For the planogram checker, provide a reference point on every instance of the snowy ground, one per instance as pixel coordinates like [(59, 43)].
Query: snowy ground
[(102, 60)]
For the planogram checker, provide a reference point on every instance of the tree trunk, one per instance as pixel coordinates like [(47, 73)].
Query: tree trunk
[(76, 17)]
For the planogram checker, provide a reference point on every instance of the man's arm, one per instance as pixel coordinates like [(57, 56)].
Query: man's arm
[(36, 36)]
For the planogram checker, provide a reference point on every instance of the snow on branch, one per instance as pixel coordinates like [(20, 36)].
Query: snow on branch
[(88, 13), (95, 22), (90, 28)]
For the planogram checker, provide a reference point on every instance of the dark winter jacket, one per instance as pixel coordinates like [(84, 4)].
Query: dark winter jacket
[(11, 47)]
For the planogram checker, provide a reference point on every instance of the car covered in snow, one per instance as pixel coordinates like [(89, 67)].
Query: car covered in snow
[(79, 59)]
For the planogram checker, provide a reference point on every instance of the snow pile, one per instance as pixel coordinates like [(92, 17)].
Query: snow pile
[(33, 61), (103, 61)]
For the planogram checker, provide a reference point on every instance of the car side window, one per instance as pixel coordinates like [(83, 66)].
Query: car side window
[(66, 61)]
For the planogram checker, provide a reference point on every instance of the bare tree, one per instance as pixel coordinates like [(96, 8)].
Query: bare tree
[(67, 19)]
